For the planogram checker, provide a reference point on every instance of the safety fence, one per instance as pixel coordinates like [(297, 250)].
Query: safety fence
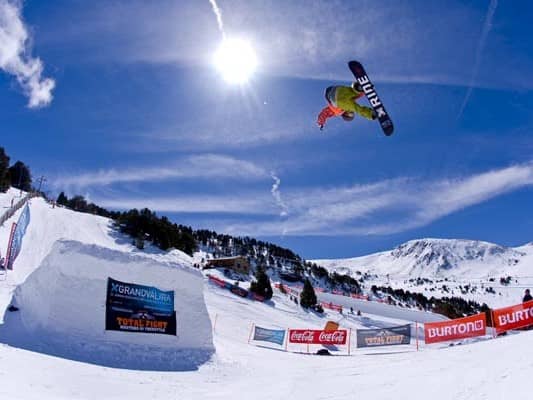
[(17, 206), (235, 289), (18, 230), (338, 339)]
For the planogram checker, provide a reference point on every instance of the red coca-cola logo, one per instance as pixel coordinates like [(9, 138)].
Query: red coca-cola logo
[(310, 336), (302, 336), (337, 337)]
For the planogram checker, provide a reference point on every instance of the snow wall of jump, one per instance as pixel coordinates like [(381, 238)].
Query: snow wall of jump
[(62, 311)]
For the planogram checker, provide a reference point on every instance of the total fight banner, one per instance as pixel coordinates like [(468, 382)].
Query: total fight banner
[(514, 317), (384, 336), (269, 335), (460, 328), (312, 336), (137, 308)]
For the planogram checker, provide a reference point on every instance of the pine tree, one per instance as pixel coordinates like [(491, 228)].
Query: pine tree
[(139, 241), (62, 199), (308, 296), (262, 285), (20, 176), (4, 171)]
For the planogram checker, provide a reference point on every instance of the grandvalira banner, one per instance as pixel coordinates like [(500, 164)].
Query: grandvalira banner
[(384, 337), (138, 308)]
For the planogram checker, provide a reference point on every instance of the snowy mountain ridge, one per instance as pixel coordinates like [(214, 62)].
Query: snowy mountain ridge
[(440, 258)]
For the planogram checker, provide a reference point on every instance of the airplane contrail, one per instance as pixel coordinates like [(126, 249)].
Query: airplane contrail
[(484, 33), (277, 195), (218, 14)]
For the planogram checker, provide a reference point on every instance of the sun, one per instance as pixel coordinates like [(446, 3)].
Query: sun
[(236, 60)]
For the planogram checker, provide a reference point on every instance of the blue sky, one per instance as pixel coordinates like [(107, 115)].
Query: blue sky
[(119, 101)]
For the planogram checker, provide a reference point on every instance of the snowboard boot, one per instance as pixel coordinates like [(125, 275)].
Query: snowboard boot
[(356, 86)]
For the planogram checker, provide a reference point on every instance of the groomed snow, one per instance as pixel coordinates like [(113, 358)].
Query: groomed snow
[(486, 369)]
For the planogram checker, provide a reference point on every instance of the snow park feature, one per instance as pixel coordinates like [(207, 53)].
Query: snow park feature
[(62, 311), (56, 346)]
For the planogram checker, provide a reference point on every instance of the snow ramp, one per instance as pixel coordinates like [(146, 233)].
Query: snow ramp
[(62, 311)]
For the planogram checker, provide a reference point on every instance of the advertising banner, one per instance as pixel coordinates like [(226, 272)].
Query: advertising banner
[(137, 308), (217, 281), (384, 337), (514, 317), (269, 335), (331, 306), (15, 242), (460, 328), (312, 336)]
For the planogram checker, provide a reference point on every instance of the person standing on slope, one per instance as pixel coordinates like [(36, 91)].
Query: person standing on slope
[(342, 101), (527, 296)]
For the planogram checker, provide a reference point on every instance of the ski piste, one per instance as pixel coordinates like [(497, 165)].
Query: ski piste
[(372, 96)]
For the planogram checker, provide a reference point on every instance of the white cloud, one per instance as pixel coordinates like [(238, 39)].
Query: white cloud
[(205, 166), (380, 208), (15, 57), (385, 207), (244, 205)]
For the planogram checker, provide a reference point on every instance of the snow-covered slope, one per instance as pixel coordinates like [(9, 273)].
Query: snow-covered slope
[(46, 269), (440, 258), (446, 267)]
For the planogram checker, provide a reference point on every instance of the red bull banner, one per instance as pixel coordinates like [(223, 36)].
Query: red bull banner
[(460, 328), (313, 336), (513, 317)]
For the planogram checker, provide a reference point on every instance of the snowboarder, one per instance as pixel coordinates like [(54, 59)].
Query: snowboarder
[(527, 296), (342, 101)]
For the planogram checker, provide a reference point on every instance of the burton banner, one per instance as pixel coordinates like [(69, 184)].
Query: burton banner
[(138, 308), (459, 328), (269, 335), (384, 337), (513, 317), (312, 336)]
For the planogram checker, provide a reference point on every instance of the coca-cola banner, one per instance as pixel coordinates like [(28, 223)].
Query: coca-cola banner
[(459, 328), (312, 336), (513, 317), (384, 337)]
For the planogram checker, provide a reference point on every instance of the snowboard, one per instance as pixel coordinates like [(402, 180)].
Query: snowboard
[(372, 96)]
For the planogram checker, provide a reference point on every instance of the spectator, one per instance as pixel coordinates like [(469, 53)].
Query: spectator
[(527, 296)]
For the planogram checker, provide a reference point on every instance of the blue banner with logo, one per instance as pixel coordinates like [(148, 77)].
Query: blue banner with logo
[(20, 230), (269, 335), (138, 308)]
